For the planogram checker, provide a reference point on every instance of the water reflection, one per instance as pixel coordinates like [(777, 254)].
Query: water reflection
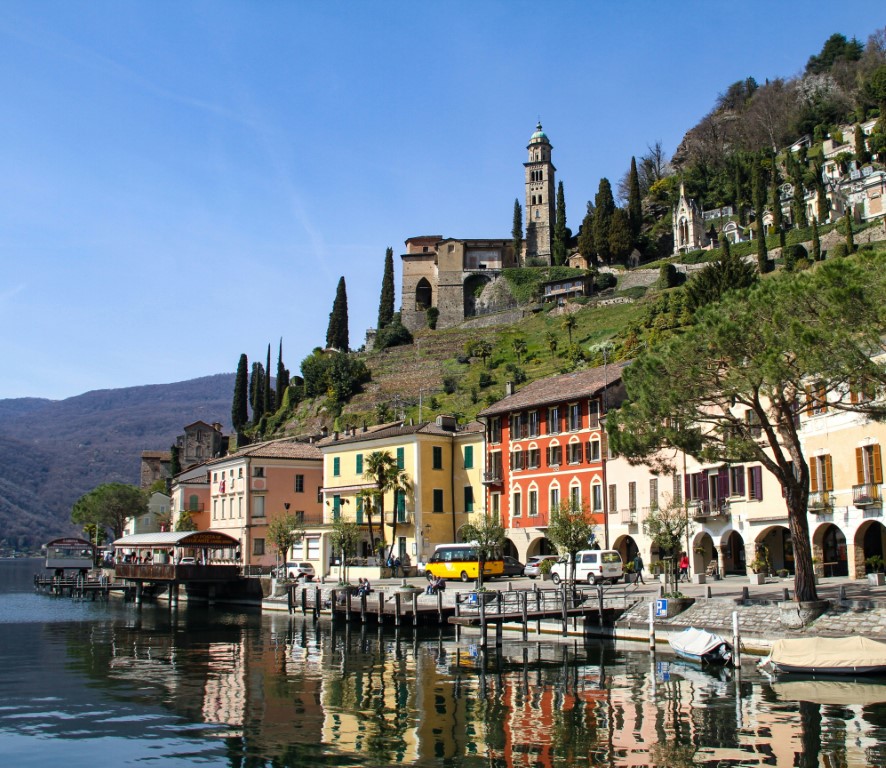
[(241, 690)]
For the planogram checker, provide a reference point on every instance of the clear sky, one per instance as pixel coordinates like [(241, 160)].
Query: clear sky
[(181, 182)]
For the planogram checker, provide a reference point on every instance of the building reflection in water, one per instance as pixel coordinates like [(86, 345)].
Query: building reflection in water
[(283, 689)]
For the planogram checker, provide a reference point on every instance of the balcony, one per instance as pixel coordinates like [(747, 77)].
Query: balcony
[(403, 518), (704, 509), (629, 517), (492, 477), (821, 502), (867, 495)]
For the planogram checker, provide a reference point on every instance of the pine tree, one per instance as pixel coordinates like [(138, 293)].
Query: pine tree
[(604, 207), (240, 406), (620, 241), (282, 378), (586, 236), (337, 331), (386, 302), (635, 206), (257, 392), (559, 244), (517, 232), (816, 241)]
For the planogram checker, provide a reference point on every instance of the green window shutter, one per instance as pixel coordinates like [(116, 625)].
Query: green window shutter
[(336, 466), (469, 499), (401, 458), (359, 463), (359, 510), (469, 457), (438, 499), (438, 457), (400, 505), (336, 507)]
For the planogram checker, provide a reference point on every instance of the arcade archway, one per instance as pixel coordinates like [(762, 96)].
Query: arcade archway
[(423, 295), (870, 541), (626, 547), (703, 553), (734, 554), (829, 546), (779, 548), (540, 546)]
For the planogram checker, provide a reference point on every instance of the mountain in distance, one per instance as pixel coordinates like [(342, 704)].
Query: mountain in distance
[(54, 451)]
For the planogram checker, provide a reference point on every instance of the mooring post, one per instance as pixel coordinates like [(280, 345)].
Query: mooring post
[(600, 603), (565, 610), (396, 609), (745, 593), (652, 627), (332, 604), (304, 600), (316, 603), (348, 604), (537, 610), (457, 615), (289, 606), (138, 593), (415, 609), (381, 607), (736, 640), (363, 608), (440, 607), (523, 597), (482, 603), (842, 593), (707, 591)]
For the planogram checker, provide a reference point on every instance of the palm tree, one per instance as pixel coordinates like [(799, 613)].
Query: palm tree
[(551, 339), (380, 467), (519, 346), (569, 324)]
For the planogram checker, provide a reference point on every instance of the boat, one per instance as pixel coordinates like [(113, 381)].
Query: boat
[(837, 692), (854, 655), (701, 646)]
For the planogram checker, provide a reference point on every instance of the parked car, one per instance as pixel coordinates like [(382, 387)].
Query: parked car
[(592, 566), (513, 567), (298, 571), (532, 564)]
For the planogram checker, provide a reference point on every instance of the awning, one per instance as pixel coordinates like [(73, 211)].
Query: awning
[(214, 539)]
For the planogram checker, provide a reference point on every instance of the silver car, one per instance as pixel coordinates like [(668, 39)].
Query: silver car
[(532, 564), (299, 571)]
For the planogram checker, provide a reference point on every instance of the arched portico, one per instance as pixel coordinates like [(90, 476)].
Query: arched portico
[(869, 541), (540, 545), (424, 295), (733, 555), (626, 547), (779, 547), (703, 552), (829, 547), (509, 548), (473, 287)]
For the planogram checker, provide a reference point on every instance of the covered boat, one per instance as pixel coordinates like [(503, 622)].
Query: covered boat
[(828, 656), (842, 693), (701, 646)]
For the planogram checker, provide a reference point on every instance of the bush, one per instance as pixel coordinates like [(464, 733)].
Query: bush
[(432, 315), (635, 292), (517, 374), (450, 384), (606, 280), (838, 251), (794, 254), (394, 334), (667, 276), (485, 380)]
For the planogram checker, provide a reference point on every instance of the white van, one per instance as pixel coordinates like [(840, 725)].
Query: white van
[(592, 566)]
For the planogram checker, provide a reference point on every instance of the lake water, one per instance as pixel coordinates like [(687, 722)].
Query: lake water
[(107, 683)]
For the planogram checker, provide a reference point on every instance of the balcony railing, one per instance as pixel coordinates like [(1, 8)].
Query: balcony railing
[(821, 502), (492, 477), (703, 509), (403, 518), (629, 517), (867, 495)]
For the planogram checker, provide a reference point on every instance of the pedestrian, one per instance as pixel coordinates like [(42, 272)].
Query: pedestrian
[(638, 567), (396, 567), (684, 567)]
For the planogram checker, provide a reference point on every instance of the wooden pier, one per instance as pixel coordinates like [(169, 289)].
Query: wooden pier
[(76, 586)]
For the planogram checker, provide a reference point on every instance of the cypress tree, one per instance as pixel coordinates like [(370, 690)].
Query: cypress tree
[(257, 392), (798, 203), (604, 207), (861, 150), (816, 241), (337, 331), (240, 406), (759, 198), (635, 206), (620, 241), (386, 302), (268, 399), (517, 232), (586, 235), (559, 245), (850, 239), (282, 378), (737, 192), (777, 220)]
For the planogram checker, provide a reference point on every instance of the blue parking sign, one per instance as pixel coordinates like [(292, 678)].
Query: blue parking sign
[(661, 607)]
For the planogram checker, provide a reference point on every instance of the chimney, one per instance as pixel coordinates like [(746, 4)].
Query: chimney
[(324, 431), (448, 423), (335, 435), (509, 388)]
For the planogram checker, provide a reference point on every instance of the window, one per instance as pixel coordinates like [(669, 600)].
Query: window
[(222, 509), (593, 409), (597, 497), (868, 465), (533, 423), (555, 455), (469, 499), (573, 453), (517, 506), (495, 465), (215, 477), (299, 483), (862, 391), (495, 498), (438, 457), (677, 489), (314, 548), (469, 457), (401, 458), (632, 496), (821, 474), (300, 517), (319, 495), (816, 399), (214, 509), (517, 461), (438, 499), (336, 466), (532, 458), (495, 430), (613, 498), (258, 506), (736, 481), (258, 546), (336, 507), (359, 468), (533, 503), (555, 499), (755, 483), (653, 493), (575, 413), (554, 421), (258, 471), (240, 472), (593, 450), (752, 424), (575, 496), (400, 505)]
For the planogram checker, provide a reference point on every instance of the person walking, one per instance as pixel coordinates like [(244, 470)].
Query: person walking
[(638, 568), (684, 567)]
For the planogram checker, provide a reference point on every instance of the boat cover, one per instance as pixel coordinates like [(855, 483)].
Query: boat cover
[(829, 653), (838, 692), (696, 642)]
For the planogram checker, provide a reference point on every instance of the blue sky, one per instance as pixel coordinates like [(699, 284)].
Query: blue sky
[(181, 182)]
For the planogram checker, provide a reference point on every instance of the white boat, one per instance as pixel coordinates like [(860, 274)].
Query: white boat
[(701, 646), (853, 655)]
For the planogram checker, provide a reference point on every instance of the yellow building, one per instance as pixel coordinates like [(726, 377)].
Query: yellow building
[(442, 465)]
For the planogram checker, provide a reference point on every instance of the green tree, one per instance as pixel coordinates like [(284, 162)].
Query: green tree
[(757, 351), (519, 346), (861, 150), (257, 392), (479, 348), (344, 539), (110, 505), (850, 240), (551, 341), (586, 236), (836, 48), (487, 534), (175, 465), (759, 200), (667, 528), (283, 532), (185, 522), (571, 528), (798, 200), (381, 469), (569, 323), (816, 241), (282, 383), (517, 232), (386, 302), (337, 331), (240, 406), (620, 240), (395, 334), (559, 244), (777, 219), (267, 399), (728, 273), (635, 206), (604, 207)]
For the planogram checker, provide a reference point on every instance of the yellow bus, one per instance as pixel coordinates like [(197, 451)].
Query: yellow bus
[(459, 561)]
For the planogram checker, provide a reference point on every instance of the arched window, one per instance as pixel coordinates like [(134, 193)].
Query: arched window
[(423, 294)]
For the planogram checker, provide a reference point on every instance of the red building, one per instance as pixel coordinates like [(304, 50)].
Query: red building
[(545, 444)]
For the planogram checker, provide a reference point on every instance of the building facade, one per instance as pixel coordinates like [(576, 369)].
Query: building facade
[(540, 198)]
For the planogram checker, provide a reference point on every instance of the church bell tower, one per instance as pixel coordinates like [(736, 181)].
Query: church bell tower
[(540, 191)]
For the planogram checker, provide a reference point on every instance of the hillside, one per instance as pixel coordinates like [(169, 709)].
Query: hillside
[(54, 451)]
